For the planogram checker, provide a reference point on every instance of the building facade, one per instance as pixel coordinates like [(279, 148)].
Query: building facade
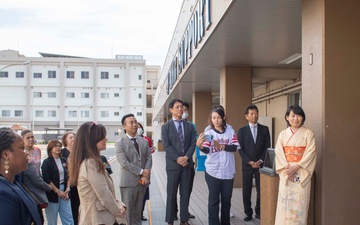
[(57, 91), (275, 53)]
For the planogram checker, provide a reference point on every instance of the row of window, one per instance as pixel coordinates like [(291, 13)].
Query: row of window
[(52, 113), (69, 75), (72, 95)]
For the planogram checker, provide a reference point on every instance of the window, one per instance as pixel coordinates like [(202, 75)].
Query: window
[(104, 95), (116, 113), (5, 113), (39, 113), (51, 74), (4, 74), (139, 95), (104, 75), (51, 94), (70, 74), (104, 113), (85, 113), (294, 99), (116, 76), (116, 95), (19, 74), (140, 77), (51, 113), (37, 75), (72, 113), (139, 113), (84, 74), (19, 113), (85, 95), (37, 95), (116, 133), (70, 95)]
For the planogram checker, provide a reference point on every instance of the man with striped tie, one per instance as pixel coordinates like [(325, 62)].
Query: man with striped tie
[(179, 141)]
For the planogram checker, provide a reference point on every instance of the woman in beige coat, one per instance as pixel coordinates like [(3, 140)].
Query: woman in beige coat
[(98, 202)]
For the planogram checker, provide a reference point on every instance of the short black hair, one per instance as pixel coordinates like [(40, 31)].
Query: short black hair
[(186, 105), (173, 101), (250, 107), (296, 110), (126, 116)]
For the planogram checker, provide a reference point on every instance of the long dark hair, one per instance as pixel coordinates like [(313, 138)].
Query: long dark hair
[(221, 113), (87, 136)]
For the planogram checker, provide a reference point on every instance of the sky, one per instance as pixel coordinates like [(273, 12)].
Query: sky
[(89, 28)]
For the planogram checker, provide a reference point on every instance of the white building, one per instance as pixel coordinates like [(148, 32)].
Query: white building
[(58, 91)]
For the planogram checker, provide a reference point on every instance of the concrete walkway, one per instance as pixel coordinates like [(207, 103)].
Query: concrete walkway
[(155, 209)]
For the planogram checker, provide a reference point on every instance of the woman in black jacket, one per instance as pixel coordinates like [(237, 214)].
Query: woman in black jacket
[(54, 171)]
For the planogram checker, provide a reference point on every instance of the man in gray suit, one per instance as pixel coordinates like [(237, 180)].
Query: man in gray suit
[(179, 141), (135, 160)]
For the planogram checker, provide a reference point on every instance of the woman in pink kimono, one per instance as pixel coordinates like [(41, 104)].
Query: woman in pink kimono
[(295, 163)]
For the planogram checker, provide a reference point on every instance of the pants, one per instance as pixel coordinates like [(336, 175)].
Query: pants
[(192, 177), (133, 198), (248, 175), (219, 188), (178, 179), (63, 207)]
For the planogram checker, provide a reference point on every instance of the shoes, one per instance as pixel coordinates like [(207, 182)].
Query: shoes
[(257, 217), (191, 216), (175, 217), (248, 218), (185, 223), (232, 215), (143, 218)]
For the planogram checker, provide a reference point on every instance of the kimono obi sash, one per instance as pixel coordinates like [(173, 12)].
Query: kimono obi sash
[(293, 153)]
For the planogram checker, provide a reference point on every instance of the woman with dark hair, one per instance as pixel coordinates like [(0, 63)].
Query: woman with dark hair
[(99, 204), (34, 151), (295, 159), (219, 143), (54, 171), (68, 141), (16, 206)]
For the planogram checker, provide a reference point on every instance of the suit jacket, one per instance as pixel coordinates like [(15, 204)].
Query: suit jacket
[(35, 184), (50, 174), (171, 143), (99, 204), (131, 162), (249, 150), (16, 207)]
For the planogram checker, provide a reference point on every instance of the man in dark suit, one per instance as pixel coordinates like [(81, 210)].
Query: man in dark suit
[(254, 140), (179, 141), (135, 160)]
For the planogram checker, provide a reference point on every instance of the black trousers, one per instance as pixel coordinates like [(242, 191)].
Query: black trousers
[(192, 177), (248, 175), (178, 179), (220, 190)]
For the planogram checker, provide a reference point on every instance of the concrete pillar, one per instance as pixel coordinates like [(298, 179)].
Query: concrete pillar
[(235, 95), (330, 95), (268, 198), (201, 108)]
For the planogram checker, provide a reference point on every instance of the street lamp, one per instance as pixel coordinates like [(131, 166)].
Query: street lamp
[(78, 113), (15, 64)]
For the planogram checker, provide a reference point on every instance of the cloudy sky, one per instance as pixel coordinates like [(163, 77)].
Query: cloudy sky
[(89, 28)]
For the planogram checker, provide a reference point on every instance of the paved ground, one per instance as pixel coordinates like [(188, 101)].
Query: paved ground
[(155, 208)]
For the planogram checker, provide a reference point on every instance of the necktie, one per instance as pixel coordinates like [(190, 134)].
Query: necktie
[(181, 135), (254, 133), (135, 144)]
